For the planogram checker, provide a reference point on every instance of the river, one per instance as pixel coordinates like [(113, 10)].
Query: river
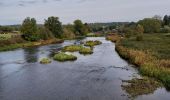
[(92, 77)]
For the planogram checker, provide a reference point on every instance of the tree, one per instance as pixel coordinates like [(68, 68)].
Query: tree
[(44, 33), (54, 25), (166, 20), (139, 30), (150, 25), (29, 29), (79, 27)]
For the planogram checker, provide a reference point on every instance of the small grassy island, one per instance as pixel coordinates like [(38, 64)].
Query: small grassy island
[(45, 61), (72, 48), (79, 48), (92, 43), (64, 57), (86, 51), (136, 87)]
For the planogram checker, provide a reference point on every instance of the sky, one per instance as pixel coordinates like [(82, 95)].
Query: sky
[(15, 11)]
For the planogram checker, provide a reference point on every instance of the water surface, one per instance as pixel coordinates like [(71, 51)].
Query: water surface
[(91, 77)]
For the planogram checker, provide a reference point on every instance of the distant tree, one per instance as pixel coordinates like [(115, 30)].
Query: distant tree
[(54, 25), (139, 31), (29, 29), (150, 25), (79, 27), (166, 20), (128, 32), (6, 29)]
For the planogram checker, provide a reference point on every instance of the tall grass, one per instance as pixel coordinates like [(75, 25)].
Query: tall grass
[(148, 64)]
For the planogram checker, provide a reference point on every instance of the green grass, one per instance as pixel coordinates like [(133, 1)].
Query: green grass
[(5, 36), (64, 57), (136, 87), (45, 61), (92, 43), (86, 51), (10, 47), (79, 48), (157, 43), (147, 56), (72, 48)]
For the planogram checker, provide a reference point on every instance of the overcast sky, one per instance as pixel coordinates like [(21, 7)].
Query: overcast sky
[(14, 11)]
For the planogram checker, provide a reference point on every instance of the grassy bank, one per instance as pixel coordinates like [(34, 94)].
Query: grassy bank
[(29, 44), (147, 57)]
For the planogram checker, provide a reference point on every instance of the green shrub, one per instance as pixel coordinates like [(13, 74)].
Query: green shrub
[(45, 61), (64, 57)]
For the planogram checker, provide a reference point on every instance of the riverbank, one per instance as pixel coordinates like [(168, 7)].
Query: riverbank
[(29, 44), (149, 64)]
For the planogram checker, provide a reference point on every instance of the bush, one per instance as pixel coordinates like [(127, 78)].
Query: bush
[(45, 61), (64, 57), (44, 33)]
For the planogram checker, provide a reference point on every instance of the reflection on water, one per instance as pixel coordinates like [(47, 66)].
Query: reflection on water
[(31, 55), (94, 77)]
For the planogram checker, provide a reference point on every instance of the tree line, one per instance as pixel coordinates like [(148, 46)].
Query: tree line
[(147, 25), (52, 28)]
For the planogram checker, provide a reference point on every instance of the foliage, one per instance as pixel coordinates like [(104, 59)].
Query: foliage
[(86, 51), (44, 33), (80, 28), (136, 87), (114, 38), (158, 43), (5, 36), (54, 25), (45, 61), (68, 33), (64, 57), (166, 20), (29, 29), (129, 32), (139, 30), (149, 64), (150, 25), (6, 29), (72, 48), (92, 43)]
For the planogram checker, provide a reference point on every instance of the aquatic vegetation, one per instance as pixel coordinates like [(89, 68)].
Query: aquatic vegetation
[(45, 61), (79, 48), (92, 43), (64, 57), (86, 51), (136, 87), (72, 48)]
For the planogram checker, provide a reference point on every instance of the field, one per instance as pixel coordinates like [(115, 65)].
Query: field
[(5, 36), (151, 55), (157, 43)]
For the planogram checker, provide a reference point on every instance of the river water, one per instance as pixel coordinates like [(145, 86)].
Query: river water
[(92, 77)]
